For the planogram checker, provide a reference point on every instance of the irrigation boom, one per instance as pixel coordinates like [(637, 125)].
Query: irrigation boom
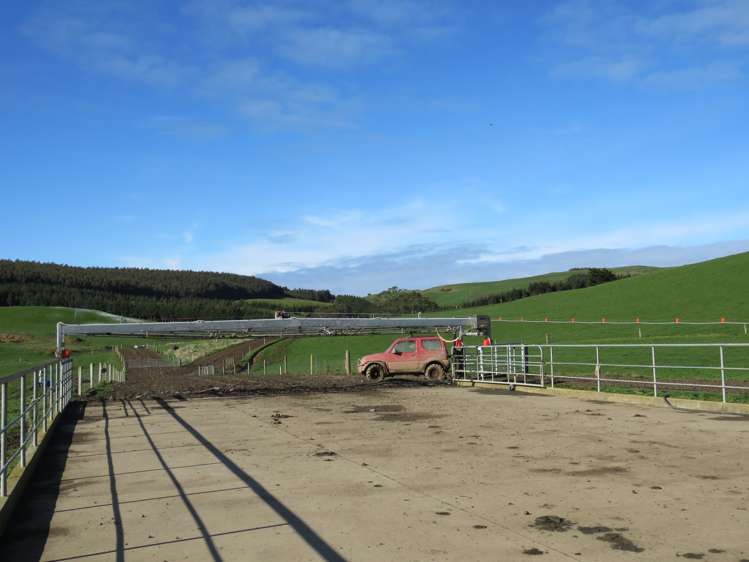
[(480, 325)]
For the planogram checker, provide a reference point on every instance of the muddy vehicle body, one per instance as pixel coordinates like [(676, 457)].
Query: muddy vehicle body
[(415, 355)]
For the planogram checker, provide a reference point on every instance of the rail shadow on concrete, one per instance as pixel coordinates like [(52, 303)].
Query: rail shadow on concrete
[(315, 541), (27, 534)]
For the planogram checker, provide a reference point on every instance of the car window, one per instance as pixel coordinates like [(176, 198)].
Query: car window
[(431, 345), (408, 346)]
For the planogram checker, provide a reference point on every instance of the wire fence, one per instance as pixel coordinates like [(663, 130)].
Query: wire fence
[(721, 368)]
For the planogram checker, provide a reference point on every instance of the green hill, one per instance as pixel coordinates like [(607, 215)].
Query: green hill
[(705, 291), (456, 295)]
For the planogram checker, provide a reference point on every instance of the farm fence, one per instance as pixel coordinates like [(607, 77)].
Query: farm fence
[(34, 398), (707, 367)]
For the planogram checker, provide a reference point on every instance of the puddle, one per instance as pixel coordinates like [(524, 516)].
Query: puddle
[(533, 551)]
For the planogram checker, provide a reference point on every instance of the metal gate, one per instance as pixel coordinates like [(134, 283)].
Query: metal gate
[(516, 364)]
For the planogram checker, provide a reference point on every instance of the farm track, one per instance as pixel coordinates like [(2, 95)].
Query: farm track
[(149, 375)]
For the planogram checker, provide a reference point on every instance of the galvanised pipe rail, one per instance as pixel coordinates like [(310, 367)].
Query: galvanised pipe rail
[(276, 327), (516, 364), (52, 389), (52, 386)]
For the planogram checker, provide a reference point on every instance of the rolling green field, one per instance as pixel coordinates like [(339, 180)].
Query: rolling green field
[(702, 292), (456, 295)]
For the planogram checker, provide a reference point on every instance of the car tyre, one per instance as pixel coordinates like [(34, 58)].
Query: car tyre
[(435, 372), (374, 372)]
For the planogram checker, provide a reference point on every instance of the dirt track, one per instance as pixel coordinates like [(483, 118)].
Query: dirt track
[(149, 376)]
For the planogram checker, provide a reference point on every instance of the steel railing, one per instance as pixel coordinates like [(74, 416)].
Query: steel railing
[(41, 393), (609, 365), (51, 387)]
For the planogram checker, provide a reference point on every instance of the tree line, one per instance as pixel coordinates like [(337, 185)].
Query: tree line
[(580, 280), (167, 295)]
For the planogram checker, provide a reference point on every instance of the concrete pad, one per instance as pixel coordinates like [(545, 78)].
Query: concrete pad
[(413, 474)]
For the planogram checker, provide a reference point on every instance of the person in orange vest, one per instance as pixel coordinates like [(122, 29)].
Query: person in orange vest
[(487, 341)]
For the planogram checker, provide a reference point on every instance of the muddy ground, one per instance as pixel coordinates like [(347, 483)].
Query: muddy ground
[(150, 376)]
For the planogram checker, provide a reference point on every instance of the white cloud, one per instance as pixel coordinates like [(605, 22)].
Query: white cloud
[(617, 69), (660, 44), (327, 46), (342, 235), (723, 21), (95, 37)]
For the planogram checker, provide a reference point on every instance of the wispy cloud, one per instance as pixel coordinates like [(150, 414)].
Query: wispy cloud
[(725, 22), (96, 37), (232, 46), (660, 46)]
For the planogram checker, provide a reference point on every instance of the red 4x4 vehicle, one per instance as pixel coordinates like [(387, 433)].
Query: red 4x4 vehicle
[(417, 355)]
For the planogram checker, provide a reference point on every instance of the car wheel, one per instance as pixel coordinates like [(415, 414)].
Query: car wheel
[(374, 372), (435, 372)]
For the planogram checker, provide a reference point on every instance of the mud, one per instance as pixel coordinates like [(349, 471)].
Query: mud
[(600, 471), (618, 541), (552, 523), (594, 530), (383, 408), (150, 376), (533, 551)]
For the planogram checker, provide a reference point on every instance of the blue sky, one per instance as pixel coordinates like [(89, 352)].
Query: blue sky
[(360, 144)]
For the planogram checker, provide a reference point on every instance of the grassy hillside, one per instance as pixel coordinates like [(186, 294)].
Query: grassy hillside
[(456, 295), (705, 291)]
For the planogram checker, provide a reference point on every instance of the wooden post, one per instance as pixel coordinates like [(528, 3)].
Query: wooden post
[(347, 362), (285, 365), (80, 379), (90, 376), (265, 372), (311, 364)]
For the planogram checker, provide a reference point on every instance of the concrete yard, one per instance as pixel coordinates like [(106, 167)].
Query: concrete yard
[(429, 473)]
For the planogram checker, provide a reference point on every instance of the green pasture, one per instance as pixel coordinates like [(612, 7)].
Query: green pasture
[(456, 295)]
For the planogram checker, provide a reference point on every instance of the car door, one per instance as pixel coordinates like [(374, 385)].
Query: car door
[(404, 357), (431, 350)]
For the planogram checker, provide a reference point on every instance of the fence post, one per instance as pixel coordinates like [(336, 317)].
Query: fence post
[(347, 362), (311, 364), (722, 374), (285, 365), (98, 380), (264, 369), (22, 421), (33, 412), (3, 420), (598, 370), (655, 377), (44, 397), (551, 365), (80, 379), (109, 372)]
